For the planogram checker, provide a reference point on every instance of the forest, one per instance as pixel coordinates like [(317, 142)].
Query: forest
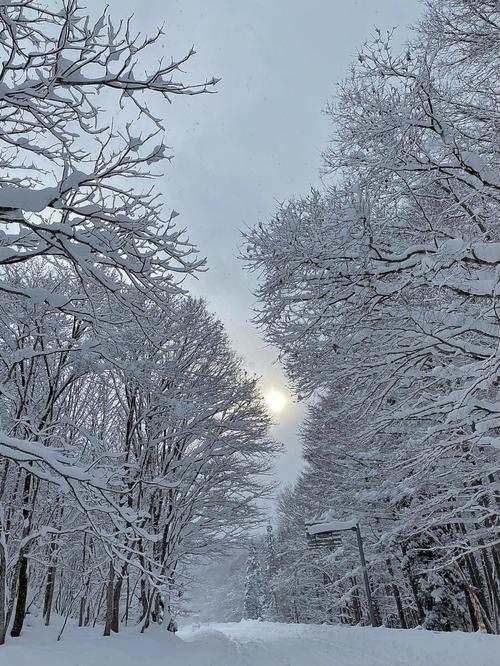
[(381, 292), (136, 445)]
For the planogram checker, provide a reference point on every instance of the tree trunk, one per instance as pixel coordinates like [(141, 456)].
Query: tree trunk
[(3, 586), (81, 611), (356, 600), (145, 624), (397, 596), (109, 600), (470, 607), (115, 619), (414, 588), (49, 594), (22, 595), (22, 586), (478, 588), (127, 601), (492, 585)]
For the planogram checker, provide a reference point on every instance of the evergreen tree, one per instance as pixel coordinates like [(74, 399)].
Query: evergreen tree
[(253, 587), (270, 572), (439, 590)]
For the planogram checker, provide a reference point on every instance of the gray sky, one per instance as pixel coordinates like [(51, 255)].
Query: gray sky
[(258, 140)]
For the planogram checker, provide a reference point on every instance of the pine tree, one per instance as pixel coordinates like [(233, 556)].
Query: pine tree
[(439, 590), (271, 559), (270, 572), (253, 587)]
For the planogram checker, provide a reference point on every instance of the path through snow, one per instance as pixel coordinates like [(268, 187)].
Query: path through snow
[(249, 643), (271, 644)]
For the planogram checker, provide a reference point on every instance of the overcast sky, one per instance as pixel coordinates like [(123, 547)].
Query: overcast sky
[(258, 140)]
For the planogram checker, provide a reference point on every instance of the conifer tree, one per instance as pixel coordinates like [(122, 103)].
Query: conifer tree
[(254, 597)]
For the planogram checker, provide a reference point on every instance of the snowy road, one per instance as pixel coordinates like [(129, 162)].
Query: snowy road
[(249, 643), (270, 644)]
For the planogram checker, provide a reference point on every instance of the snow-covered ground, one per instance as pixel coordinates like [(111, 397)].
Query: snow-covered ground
[(251, 643)]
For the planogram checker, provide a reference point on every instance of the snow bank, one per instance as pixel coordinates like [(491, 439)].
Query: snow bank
[(249, 643)]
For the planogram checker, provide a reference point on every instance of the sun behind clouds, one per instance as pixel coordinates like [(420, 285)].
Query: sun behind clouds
[(276, 400)]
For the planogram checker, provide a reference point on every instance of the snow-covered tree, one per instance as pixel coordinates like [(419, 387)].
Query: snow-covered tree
[(131, 438), (74, 183), (134, 452), (270, 571), (254, 586), (381, 293)]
